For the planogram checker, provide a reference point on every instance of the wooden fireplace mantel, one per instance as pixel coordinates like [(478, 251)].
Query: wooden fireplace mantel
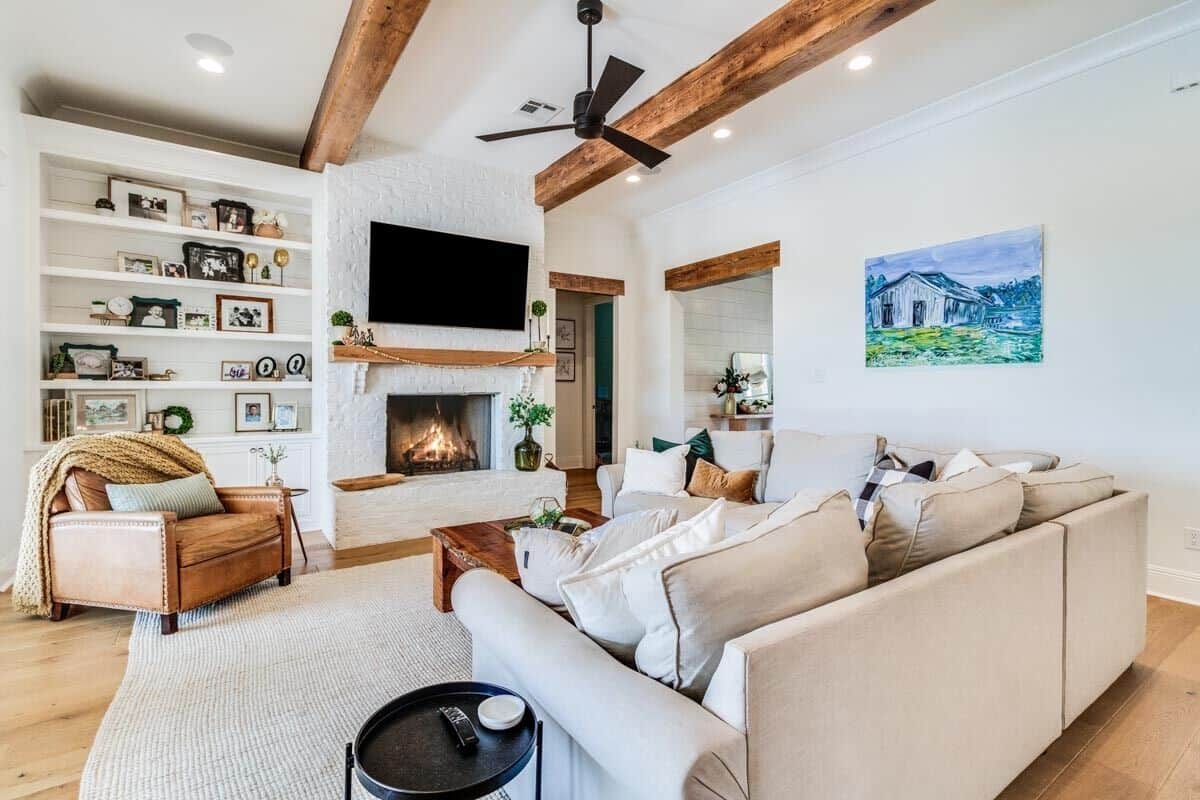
[(418, 356)]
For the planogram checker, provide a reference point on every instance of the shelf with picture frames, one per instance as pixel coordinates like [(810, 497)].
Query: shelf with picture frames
[(110, 276), (170, 333), (78, 384), (165, 229)]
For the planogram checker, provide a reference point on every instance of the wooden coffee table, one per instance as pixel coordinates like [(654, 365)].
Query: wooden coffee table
[(458, 548)]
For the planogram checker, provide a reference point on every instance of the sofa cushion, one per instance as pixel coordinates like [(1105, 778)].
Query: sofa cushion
[(736, 450), (802, 460), (701, 450), (594, 598), (966, 460), (687, 507), (544, 555), (919, 523), (664, 473), (711, 481), (807, 553), (740, 518), (1056, 492), (193, 496), (201, 538), (86, 491), (908, 455)]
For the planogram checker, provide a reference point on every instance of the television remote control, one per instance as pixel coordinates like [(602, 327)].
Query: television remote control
[(460, 725)]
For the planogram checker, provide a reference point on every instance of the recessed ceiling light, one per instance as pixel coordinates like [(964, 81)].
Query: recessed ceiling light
[(722, 133), (633, 178), (860, 62), (211, 49), (209, 64)]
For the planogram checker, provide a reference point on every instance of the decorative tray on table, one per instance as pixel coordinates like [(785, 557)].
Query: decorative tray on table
[(571, 525)]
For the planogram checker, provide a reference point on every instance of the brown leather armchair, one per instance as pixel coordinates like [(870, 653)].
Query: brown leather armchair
[(151, 561)]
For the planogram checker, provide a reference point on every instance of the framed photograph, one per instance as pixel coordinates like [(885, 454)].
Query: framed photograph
[(154, 312), (266, 369), (202, 217), (137, 263), (141, 200), (237, 370), (564, 367), (156, 420), (128, 368), (199, 318), (100, 412), (564, 334), (92, 361), (245, 314), (173, 269), (207, 262), (252, 411), (287, 416), (233, 216)]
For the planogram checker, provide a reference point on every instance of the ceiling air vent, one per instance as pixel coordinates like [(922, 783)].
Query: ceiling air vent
[(537, 110)]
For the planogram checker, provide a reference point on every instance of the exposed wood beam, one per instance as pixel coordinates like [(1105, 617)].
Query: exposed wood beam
[(373, 38), (789, 42), (588, 284), (723, 269)]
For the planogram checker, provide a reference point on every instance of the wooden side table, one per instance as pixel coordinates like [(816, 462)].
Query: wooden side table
[(458, 548)]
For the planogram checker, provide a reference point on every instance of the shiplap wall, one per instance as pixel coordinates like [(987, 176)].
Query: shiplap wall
[(717, 322)]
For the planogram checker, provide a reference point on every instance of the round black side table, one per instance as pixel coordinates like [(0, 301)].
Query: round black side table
[(405, 750)]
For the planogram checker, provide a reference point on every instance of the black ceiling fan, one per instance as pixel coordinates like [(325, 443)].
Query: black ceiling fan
[(591, 105)]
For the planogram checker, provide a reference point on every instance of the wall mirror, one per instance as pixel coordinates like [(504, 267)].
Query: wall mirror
[(758, 367)]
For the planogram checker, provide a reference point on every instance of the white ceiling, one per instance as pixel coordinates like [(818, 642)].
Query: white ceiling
[(465, 70)]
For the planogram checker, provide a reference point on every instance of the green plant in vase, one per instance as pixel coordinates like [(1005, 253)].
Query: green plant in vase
[(538, 309), (525, 412), (729, 386), (342, 321)]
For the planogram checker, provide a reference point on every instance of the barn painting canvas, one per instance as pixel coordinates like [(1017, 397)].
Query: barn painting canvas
[(976, 301)]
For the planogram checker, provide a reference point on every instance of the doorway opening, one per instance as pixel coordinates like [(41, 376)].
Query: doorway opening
[(585, 383)]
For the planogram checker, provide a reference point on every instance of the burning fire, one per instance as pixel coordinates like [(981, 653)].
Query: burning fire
[(438, 444)]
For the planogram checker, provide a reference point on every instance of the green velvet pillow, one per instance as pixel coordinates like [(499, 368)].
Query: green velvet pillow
[(187, 497), (702, 450)]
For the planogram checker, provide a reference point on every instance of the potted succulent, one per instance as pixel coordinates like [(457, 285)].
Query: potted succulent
[(729, 386), (99, 306), (342, 321), (525, 412), (269, 224)]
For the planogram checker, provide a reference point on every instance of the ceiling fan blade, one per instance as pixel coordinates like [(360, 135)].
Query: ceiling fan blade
[(647, 154), (492, 137), (615, 81)]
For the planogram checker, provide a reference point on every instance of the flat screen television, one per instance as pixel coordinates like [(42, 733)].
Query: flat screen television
[(422, 277)]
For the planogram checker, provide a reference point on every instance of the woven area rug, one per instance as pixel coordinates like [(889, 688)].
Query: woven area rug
[(257, 695)]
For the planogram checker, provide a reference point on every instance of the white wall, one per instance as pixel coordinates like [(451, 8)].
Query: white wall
[(1106, 160), (719, 321), (572, 406)]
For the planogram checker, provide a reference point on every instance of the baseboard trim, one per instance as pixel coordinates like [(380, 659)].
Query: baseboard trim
[(1173, 584)]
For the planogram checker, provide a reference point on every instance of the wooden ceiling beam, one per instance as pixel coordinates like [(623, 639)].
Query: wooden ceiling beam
[(723, 269), (797, 37), (375, 34), (587, 284)]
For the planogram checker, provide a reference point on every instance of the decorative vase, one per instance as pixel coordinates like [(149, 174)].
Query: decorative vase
[(341, 333), (528, 453), (273, 479), (730, 404)]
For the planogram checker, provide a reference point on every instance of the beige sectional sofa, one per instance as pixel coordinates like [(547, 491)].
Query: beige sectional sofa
[(944, 682)]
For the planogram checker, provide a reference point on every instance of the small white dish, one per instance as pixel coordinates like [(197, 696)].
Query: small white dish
[(501, 712)]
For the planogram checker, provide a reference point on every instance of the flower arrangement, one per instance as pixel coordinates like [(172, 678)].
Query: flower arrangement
[(731, 383), (273, 455)]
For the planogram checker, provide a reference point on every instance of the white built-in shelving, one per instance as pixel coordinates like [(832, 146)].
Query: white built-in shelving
[(73, 262)]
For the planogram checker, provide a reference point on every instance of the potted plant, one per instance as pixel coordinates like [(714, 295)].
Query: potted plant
[(105, 207), (273, 455), (342, 321), (538, 308), (99, 306), (730, 386), (525, 412)]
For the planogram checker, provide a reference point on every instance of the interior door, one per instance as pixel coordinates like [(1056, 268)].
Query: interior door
[(918, 314)]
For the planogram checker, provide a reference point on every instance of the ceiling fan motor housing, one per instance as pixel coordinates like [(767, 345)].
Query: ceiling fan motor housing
[(590, 12), (587, 126)]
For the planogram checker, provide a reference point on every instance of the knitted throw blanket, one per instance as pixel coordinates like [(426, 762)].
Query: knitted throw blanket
[(118, 457)]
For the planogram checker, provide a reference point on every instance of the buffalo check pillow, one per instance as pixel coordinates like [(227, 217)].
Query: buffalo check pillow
[(886, 474)]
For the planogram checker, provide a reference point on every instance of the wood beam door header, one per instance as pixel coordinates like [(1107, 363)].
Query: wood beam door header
[(375, 34), (795, 38), (723, 269), (587, 284)]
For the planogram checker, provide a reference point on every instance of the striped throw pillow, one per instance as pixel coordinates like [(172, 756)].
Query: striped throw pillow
[(187, 497)]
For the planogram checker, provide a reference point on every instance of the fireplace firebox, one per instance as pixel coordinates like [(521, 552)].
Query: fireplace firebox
[(439, 433)]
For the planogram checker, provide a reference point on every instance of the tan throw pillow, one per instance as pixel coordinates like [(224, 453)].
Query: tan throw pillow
[(1059, 491), (920, 523), (86, 491), (709, 480), (808, 552)]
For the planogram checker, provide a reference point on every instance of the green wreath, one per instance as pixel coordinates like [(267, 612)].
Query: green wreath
[(185, 420)]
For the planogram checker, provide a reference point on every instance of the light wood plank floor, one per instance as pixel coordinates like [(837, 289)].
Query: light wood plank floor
[(1139, 741)]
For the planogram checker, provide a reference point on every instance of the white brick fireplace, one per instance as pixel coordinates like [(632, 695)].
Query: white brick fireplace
[(427, 191)]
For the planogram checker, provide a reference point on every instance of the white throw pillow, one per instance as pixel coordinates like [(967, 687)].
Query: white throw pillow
[(647, 472), (594, 597), (965, 460), (544, 555)]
